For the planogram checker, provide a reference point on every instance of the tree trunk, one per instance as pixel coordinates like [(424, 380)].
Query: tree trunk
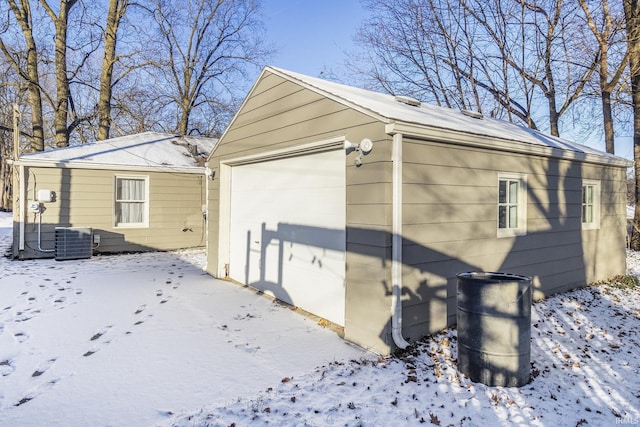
[(632, 18), (607, 117), (554, 117), (62, 84), (22, 13), (62, 79), (116, 12), (5, 179), (183, 124)]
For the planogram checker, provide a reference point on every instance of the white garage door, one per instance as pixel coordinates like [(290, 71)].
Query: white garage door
[(287, 231)]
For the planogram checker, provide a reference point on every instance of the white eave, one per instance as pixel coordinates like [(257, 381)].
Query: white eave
[(450, 136), (62, 164)]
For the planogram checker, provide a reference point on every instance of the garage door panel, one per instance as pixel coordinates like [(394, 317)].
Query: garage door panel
[(288, 230)]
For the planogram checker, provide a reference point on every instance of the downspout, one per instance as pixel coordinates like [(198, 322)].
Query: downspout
[(396, 244), (208, 175), (21, 206)]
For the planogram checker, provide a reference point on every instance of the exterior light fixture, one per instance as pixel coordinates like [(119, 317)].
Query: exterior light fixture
[(364, 148)]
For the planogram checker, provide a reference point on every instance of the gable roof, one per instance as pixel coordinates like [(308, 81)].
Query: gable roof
[(142, 151), (430, 120)]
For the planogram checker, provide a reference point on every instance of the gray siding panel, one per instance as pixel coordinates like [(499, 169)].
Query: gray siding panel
[(450, 225)]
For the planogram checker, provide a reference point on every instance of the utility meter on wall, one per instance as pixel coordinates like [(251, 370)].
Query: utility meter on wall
[(35, 206), (46, 196)]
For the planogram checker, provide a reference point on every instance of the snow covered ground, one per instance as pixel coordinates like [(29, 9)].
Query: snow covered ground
[(149, 339)]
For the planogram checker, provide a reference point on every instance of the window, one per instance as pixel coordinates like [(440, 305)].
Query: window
[(512, 204), (132, 201), (590, 204)]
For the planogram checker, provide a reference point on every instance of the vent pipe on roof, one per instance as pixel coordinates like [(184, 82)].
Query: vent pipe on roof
[(471, 113), (407, 100)]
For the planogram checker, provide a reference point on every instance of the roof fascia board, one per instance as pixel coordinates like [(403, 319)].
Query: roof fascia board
[(93, 166), (329, 95), (473, 140)]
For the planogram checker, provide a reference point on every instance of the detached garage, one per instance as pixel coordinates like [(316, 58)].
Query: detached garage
[(361, 207), (140, 192)]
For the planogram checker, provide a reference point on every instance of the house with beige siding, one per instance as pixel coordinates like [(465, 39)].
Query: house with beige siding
[(141, 192), (360, 207)]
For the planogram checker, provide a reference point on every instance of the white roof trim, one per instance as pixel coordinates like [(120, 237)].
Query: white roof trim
[(328, 94), (61, 164), (298, 150), (460, 138)]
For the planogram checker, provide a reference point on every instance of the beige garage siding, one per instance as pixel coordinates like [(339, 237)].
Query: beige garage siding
[(450, 210), (85, 199)]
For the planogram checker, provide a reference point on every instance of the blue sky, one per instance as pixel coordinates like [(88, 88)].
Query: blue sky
[(311, 35)]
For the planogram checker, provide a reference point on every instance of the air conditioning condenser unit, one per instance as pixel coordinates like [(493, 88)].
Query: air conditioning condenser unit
[(73, 243)]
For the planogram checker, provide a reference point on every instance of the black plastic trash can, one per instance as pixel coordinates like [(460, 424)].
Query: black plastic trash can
[(494, 328)]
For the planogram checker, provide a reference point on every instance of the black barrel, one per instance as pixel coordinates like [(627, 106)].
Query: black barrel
[(494, 328)]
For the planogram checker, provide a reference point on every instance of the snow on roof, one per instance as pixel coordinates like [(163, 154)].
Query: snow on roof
[(392, 109), (147, 149)]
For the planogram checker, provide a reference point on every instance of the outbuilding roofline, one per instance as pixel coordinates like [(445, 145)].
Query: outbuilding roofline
[(62, 164), (441, 124), (147, 151)]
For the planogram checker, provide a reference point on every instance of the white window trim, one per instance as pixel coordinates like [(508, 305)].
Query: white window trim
[(595, 224), (145, 223), (521, 230)]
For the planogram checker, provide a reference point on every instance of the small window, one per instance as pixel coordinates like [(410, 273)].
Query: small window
[(512, 204), (590, 204), (131, 201)]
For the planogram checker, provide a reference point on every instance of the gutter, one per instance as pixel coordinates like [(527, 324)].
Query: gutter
[(62, 164), (396, 244), (455, 137)]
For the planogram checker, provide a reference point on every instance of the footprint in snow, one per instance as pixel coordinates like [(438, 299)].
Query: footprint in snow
[(21, 337), (22, 316), (6, 368), (90, 352), (140, 322), (100, 333), (44, 367), (140, 309), (38, 391)]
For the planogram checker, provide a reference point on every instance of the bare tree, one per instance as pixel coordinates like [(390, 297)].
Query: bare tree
[(632, 21), (494, 56), (207, 45), (21, 10), (606, 33), (117, 9), (61, 104)]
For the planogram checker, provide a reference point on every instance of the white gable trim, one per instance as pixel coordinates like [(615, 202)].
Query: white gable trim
[(329, 95)]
